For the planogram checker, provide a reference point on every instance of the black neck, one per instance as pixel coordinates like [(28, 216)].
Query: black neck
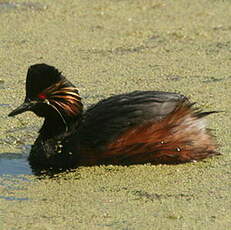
[(57, 126)]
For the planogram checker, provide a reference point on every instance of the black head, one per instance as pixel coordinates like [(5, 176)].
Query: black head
[(49, 92), (40, 77)]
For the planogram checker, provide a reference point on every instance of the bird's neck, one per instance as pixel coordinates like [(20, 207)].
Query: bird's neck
[(57, 127)]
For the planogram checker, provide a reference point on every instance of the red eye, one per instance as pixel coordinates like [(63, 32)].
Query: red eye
[(42, 96)]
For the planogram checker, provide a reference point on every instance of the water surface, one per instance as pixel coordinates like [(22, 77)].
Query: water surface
[(14, 164)]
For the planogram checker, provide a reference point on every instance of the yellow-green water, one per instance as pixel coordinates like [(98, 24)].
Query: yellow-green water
[(107, 47)]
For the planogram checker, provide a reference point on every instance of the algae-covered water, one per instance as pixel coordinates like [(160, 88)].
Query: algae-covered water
[(107, 47)]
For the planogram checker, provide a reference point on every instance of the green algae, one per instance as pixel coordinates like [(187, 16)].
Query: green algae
[(107, 47)]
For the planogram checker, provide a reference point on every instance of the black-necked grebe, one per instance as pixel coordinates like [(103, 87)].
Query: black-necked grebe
[(132, 128)]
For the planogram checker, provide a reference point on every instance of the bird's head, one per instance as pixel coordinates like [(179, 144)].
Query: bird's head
[(48, 92)]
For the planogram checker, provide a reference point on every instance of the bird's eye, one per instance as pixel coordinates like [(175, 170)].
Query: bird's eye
[(42, 96)]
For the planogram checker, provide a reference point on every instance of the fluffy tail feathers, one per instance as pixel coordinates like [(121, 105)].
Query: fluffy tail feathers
[(180, 137)]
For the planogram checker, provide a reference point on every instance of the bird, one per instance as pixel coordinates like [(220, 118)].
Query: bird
[(138, 127)]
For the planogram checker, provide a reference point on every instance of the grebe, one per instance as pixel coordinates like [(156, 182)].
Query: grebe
[(132, 128)]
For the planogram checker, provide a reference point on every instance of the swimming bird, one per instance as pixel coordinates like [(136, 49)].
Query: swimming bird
[(132, 128)]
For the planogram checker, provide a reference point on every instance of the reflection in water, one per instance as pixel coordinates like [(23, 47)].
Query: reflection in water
[(14, 164), (17, 165)]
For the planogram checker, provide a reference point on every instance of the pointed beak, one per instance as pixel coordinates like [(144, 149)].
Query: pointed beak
[(26, 106)]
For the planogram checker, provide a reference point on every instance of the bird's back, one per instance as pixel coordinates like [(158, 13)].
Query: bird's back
[(141, 127), (109, 118)]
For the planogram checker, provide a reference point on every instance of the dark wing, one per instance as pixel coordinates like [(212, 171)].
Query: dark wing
[(108, 119)]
